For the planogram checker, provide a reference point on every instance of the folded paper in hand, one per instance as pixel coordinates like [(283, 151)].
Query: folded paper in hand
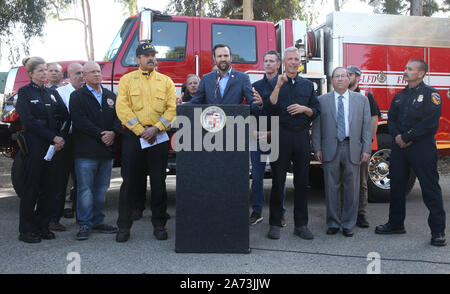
[(160, 138), (50, 153)]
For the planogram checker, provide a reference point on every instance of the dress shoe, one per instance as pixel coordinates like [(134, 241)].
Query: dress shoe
[(57, 227), (29, 238), (332, 231), (47, 235), (303, 232), (347, 232), (362, 222), (389, 229), (274, 232), (160, 233), (438, 239), (122, 236)]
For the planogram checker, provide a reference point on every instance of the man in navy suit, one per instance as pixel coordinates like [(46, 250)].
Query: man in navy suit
[(226, 85)]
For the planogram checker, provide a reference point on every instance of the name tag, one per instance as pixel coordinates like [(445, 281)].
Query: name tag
[(34, 101)]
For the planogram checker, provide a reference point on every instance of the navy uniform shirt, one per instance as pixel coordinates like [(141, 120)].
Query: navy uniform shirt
[(42, 112), (374, 110), (295, 91), (264, 87), (415, 113)]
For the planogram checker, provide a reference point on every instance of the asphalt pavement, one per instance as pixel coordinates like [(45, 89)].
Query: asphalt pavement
[(407, 253)]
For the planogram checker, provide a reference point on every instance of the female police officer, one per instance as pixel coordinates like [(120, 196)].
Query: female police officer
[(44, 118)]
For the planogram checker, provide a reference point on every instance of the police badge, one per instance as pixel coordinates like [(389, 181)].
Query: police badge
[(53, 98), (420, 99), (213, 119)]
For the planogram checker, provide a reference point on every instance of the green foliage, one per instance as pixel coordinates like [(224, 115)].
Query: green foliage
[(274, 10), (403, 6), (207, 8), (27, 16)]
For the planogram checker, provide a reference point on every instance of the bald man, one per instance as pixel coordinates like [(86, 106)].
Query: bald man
[(95, 127)]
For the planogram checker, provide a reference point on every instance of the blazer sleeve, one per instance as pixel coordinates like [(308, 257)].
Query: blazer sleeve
[(316, 134), (367, 128)]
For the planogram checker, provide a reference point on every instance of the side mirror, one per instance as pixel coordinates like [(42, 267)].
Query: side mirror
[(145, 26)]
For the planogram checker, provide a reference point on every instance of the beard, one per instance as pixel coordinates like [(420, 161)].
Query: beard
[(224, 66)]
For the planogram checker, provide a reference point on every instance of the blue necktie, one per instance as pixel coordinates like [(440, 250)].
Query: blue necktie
[(341, 120)]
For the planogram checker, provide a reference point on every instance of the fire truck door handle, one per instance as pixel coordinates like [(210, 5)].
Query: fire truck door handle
[(197, 69)]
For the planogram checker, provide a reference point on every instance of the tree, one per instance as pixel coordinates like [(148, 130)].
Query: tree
[(412, 7), (271, 10), (208, 8), (130, 5), (26, 16), (66, 10), (416, 7)]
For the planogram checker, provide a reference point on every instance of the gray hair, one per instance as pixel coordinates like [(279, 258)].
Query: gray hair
[(192, 76), (290, 49), (339, 67)]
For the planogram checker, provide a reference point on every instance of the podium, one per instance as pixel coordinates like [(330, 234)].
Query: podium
[(212, 192)]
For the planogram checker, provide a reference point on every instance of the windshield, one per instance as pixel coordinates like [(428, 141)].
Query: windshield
[(121, 36)]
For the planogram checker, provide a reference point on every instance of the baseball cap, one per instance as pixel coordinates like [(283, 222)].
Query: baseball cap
[(353, 69), (145, 48)]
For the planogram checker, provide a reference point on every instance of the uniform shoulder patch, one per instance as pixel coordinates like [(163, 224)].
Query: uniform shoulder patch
[(436, 98)]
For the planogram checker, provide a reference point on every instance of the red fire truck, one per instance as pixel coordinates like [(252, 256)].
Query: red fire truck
[(380, 45)]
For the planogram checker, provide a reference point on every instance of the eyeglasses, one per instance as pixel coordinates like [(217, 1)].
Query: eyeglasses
[(93, 72), (340, 77)]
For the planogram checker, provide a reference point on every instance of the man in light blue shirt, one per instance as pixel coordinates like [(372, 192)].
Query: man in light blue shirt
[(97, 95)]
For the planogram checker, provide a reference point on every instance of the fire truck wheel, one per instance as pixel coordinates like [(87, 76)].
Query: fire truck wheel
[(378, 182), (18, 173)]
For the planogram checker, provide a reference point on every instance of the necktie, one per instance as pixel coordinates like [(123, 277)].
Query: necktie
[(341, 120)]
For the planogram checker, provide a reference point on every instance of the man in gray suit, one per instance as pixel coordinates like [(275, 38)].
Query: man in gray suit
[(341, 138)]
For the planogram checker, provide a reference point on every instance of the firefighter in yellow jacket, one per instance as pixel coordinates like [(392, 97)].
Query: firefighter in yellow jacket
[(146, 106)]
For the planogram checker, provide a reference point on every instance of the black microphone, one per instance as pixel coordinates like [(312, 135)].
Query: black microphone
[(217, 86)]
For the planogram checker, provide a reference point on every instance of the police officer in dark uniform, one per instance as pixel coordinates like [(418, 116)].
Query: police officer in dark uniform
[(413, 121), (45, 120)]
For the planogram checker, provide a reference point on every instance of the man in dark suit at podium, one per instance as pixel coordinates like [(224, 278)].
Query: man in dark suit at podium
[(226, 85)]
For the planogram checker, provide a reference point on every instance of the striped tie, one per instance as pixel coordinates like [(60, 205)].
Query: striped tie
[(341, 120)]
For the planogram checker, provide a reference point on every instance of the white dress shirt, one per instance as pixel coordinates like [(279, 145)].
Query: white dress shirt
[(346, 101)]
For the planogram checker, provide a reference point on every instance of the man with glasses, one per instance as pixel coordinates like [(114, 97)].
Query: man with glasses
[(94, 126), (341, 139)]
